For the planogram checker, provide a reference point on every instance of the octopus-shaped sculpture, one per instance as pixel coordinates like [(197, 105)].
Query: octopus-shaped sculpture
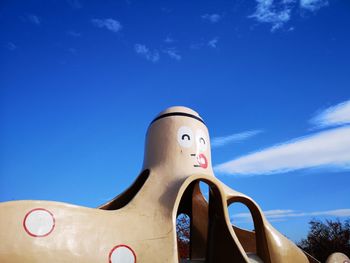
[(139, 225)]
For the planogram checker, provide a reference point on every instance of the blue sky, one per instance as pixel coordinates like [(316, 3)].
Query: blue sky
[(81, 80)]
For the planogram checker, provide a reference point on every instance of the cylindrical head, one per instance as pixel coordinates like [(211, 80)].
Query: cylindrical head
[(178, 140)]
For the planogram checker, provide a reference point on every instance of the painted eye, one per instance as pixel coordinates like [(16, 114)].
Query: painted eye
[(201, 140), (185, 137)]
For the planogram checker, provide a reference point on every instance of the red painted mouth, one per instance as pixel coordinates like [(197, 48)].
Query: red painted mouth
[(202, 161)]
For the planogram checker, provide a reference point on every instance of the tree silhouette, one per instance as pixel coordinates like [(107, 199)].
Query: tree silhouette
[(325, 238)]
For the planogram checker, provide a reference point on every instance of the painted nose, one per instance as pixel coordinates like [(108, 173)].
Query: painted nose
[(202, 161)]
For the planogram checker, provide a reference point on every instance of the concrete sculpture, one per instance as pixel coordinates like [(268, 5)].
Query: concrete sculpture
[(139, 225)]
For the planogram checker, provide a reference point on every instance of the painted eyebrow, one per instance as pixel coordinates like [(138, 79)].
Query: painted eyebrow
[(178, 114)]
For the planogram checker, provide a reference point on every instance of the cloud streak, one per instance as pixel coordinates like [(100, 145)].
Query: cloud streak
[(11, 46), (236, 137), (333, 116), (273, 215), (213, 42), (76, 4), (329, 148), (169, 40), (173, 53), (278, 13), (212, 18), (267, 12), (324, 149), (74, 34), (34, 19), (145, 52), (313, 5), (107, 23)]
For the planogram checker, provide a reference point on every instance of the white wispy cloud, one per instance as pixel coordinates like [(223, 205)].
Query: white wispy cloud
[(169, 40), (107, 23), (213, 42), (76, 4), (145, 52), (72, 50), (74, 33), (212, 18), (166, 10), (284, 214), (279, 12), (10, 46), (329, 148), (333, 116), (236, 137), (276, 15), (34, 19), (197, 45), (173, 53), (313, 5)]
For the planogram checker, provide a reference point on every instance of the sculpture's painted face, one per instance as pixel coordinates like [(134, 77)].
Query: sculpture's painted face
[(196, 142), (179, 140)]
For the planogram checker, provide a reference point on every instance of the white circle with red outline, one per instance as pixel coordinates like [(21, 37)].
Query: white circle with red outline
[(39, 222), (122, 254)]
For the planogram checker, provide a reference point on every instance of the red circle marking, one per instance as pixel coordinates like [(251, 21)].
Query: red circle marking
[(200, 158), (122, 245), (38, 209)]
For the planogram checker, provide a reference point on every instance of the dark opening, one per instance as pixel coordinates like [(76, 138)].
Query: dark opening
[(248, 225), (183, 230), (210, 239), (192, 225), (125, 197), (243, 225)]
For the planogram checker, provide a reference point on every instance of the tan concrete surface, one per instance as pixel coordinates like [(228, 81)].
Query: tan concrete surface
[(139, 225)]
